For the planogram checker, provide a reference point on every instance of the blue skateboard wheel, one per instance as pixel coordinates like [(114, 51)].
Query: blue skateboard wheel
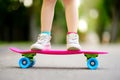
[(92, 63), (32, 63), (24, 62)]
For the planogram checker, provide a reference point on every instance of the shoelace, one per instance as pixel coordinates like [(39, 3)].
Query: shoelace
[(42, 39), (73, 39)]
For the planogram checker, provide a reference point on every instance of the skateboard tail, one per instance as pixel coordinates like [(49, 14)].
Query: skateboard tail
[(18, 50), (14, 49)]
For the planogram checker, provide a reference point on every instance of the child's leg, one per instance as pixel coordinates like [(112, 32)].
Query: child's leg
[(71, 12), (47, 14)]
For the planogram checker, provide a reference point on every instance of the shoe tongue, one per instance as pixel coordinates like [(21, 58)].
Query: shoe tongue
[(43, 34), (72, 35)]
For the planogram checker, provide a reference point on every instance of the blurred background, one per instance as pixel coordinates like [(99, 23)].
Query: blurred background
[(99, 26), (99, 21)]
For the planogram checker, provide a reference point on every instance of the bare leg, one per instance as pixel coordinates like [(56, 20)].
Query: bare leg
[(47, 14), (71, 13)]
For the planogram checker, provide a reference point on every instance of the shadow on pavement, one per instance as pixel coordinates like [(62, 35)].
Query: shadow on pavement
[(56, 68)]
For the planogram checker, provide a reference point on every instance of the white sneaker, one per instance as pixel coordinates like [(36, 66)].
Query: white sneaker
[(42, 43), (73, 42)]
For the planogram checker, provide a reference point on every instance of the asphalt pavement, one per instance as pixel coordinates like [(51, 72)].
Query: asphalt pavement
[(67, 67)]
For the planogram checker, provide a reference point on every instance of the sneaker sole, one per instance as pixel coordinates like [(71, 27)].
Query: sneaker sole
[(36, 49), (73, 48)]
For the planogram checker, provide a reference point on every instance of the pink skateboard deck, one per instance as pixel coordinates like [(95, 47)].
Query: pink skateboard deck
[(56, 52)]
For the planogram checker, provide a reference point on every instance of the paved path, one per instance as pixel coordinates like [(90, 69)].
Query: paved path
[(71, 67)]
